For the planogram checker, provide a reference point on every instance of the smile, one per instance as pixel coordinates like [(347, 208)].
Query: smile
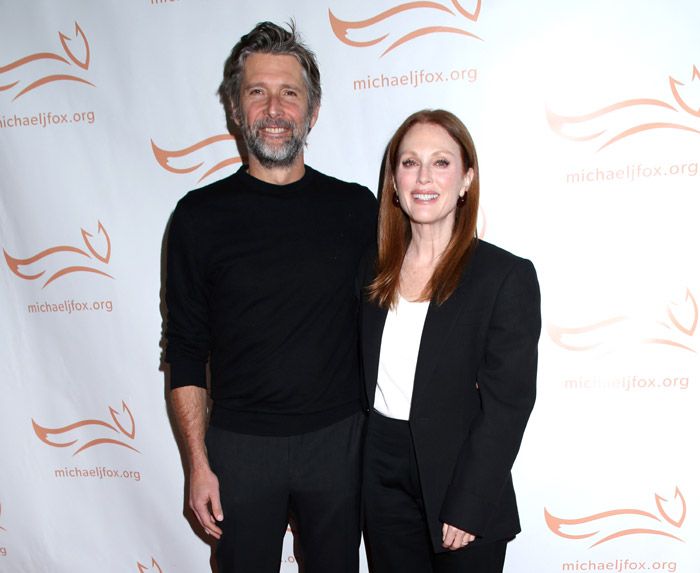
[(425, 196)]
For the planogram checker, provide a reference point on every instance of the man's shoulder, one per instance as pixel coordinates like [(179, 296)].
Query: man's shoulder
[(352, 189), (209, 195)]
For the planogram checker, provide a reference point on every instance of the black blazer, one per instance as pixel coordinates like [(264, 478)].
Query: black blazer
[(473, 392)]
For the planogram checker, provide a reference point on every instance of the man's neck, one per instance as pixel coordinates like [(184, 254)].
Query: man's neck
[(277, 175)]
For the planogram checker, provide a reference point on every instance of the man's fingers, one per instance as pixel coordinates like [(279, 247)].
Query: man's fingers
[(206, 519), (216, 506), (205, 500)]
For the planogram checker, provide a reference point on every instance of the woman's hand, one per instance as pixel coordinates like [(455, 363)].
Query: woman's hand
[(454, 538)]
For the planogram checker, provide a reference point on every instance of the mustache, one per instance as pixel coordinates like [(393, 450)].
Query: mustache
[(275, 123)]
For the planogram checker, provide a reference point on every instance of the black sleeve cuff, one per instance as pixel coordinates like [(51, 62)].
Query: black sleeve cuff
[(188, 373)]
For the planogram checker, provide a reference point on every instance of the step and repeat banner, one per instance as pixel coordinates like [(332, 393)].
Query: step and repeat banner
[(586, 117)]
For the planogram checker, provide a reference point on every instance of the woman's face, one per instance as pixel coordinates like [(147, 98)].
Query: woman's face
[(430, 176)]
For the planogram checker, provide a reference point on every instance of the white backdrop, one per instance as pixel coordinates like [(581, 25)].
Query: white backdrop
[(586, 117)]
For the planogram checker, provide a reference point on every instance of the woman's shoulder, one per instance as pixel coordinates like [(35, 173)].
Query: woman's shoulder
[(490, 257), (489, 251)]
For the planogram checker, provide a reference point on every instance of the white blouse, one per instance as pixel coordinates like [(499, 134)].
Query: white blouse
[(398, 356)]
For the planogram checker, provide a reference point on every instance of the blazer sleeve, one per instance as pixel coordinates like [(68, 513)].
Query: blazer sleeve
[(506, 378)]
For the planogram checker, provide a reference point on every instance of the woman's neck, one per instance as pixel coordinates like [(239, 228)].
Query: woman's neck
[(419, 264)]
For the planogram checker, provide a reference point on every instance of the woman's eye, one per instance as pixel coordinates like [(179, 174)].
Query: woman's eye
[(442, 163), (408, 163)]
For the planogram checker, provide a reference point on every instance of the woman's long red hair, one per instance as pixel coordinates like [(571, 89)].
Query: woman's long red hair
[(394, 228)]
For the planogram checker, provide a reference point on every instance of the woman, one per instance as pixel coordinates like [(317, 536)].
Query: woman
[(450, 326)]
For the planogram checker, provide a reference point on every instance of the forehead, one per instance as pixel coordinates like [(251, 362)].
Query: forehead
[(273, 69), (428, 137)]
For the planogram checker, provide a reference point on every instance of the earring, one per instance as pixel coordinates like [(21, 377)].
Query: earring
[(395, 200), (461, 200)]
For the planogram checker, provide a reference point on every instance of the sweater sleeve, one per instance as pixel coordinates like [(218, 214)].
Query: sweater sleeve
[(187, 329)]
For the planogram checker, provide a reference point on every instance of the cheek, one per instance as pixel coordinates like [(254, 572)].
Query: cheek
[(452, 182), (296, 108), (246, 113), (404, 181)]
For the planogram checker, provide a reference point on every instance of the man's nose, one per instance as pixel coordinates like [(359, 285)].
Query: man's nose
[(274, 106)]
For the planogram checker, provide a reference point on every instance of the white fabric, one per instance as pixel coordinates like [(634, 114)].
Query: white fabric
[(398, 357)]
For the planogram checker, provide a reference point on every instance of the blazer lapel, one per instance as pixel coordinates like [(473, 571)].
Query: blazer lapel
[(437, 328), (373, 319), (438, 325)]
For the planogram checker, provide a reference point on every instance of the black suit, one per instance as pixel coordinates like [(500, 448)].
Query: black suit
[(474, 389)]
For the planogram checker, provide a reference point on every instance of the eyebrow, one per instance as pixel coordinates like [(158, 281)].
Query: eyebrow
[(263, 83), (439, 151)]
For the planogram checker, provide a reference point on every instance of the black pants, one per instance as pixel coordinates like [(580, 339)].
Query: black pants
[(396, 529), (312, 479)]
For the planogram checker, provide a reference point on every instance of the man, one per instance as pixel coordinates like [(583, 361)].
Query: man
[(260, 284)]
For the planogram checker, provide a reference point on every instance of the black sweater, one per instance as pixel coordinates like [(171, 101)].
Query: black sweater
[(260, 283)]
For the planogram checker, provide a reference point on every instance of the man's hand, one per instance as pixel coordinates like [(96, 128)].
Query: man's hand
[(190, 410), (454, 538), (205, 500)]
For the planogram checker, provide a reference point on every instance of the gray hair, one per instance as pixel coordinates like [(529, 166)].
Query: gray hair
[(268, 38)]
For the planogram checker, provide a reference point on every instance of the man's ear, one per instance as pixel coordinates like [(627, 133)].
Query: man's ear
[(314, 117)]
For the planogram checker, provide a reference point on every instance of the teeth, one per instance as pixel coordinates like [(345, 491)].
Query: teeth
[(274, 129), (425, 196)]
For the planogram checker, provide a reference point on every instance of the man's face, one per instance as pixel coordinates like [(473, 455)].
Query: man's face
[(274, 116)]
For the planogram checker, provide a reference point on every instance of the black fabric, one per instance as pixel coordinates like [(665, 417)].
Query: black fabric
[(313, 477), (396, 528), (260, 282), (474, 389)]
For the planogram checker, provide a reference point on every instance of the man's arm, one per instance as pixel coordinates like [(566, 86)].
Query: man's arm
[(189, 405)]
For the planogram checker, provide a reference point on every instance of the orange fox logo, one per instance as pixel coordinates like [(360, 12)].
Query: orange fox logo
[(378, 30), (154, 566), (678, 325), (620, 120), (191, 158), (616, 523), (68, 58), (79, 432), (38, 261)]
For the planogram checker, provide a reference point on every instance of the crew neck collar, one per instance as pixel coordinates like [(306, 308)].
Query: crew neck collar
[(258, 184)]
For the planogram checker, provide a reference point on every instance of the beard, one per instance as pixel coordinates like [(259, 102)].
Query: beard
[(281, 154)]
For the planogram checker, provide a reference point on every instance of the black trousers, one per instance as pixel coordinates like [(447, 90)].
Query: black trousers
[(311, 479), (396, 529)]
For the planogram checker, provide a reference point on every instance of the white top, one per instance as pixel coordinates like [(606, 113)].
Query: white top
[(397, 358)]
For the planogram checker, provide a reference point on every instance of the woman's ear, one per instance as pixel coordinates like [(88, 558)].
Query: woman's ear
[(469, 175)]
